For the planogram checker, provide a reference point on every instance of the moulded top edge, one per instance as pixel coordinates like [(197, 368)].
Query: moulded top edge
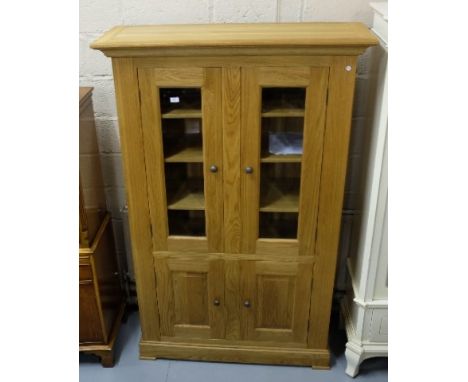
[(237, 35)]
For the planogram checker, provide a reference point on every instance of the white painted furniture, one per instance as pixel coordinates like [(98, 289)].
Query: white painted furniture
[(365, 306)]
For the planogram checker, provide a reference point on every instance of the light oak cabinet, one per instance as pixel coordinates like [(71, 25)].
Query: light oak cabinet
[(234, 141)]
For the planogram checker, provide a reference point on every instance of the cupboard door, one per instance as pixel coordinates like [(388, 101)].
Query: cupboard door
[(182, 134), (275, 300), (283, 119), (190, 297)]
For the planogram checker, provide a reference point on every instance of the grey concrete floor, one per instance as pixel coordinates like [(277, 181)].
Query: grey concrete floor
[(129, 368)]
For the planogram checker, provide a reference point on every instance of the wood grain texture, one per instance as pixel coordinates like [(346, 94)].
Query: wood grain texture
[(317, 358), (149, 80), (232, 296), (314, 126), (288, 285), (231, 159), (213, 155), (182, 113), (238, 35), (187, 243), (187, 289), (275, 199), (186, 155), (250, 157), (284, 255), (232, 51), (335, 153), (235, 59), (288, 317), (101, 300), (128, 108)]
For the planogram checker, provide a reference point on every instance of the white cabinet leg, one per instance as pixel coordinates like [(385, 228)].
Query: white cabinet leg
[(353, 360)]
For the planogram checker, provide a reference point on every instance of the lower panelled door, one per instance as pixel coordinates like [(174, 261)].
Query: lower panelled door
[(190, 296), (275, 300)]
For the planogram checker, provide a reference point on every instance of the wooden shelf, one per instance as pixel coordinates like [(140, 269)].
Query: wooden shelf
[(274, 112), (272, 158), (187, 199), (186, 155), (279, 198), (182, 113)]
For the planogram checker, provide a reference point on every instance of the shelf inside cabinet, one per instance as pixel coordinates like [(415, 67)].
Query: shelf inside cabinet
[(274, 112), (187, 199), (279, 197), (186, 155), (182, 113), (273, 158)]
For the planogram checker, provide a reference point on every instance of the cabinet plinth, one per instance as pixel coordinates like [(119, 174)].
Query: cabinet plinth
[(234, 142)]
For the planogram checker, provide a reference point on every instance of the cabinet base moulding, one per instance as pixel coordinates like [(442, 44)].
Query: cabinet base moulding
[(317, 358)]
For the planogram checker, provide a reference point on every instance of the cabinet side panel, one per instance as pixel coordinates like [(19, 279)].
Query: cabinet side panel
[(231, 160), (335, 153), (314, 126), (128, 108)]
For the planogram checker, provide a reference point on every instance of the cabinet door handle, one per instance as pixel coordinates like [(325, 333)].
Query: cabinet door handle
[(248, 170), (247, 303), (213, 168), (216, 302)]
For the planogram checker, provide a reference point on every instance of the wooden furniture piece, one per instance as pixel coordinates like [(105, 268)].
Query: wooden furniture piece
[(101, 299), (234, 141), (365, 308)]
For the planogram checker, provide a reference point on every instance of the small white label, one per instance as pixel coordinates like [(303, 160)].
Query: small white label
[(174, 99)]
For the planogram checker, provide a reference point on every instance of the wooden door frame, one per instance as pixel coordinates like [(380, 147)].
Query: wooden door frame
[(208, 80), (315, 80)]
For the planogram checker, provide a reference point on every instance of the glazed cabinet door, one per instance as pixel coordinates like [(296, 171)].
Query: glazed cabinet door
[(275, 299), (282, 129), (190, 297), (182, 134)]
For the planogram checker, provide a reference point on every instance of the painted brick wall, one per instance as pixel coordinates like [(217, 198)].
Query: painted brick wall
[(97, 16)]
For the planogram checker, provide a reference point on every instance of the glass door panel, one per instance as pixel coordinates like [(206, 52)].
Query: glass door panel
[(282, 126), (182, 126), (179, 116)]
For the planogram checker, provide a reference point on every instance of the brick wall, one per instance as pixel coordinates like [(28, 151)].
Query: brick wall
[(96, 16)]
